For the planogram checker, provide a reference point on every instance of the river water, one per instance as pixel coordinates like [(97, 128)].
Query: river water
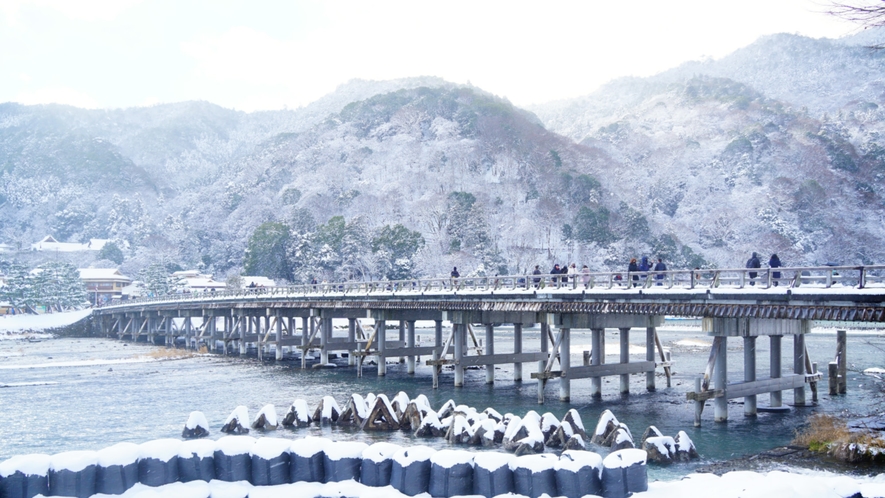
[(69, 394)]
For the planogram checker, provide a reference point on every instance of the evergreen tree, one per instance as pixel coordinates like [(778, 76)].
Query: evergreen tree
[(394, 247), (155, 279), (266, 253), (111, 252)]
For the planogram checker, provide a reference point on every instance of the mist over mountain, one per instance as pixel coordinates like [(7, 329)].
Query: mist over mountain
[(775, 148)]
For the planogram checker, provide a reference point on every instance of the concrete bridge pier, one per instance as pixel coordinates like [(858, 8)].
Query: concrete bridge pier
[(775, 400), (410, 343), (459, 338), (565, 362), (542, 364), (351, 337), (799, 368), (278, 335), (597, 358), (517, 349), (720, 379), (625, 358), (750, 374), (650, 342), (381, 340), (489, 351)]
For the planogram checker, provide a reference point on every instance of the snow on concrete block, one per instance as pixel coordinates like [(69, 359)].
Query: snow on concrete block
[(237, 422), (72, 473), (574, 443), (377, 464), (266, 420), (460, 430), (549, 425), (480, 431), (232, 459), (298, 415), (306, 459), (158, 462), (431, 426), (579, 473), (382, 416), (621, 438), (685, 449), (196, 460), (270, 461), (624, 472), (492, 475), (410, 473), (400, 402), (25, 476), (493, 414), (355, 412), (652, 431), (446, 410), (196, 426), (534, 475), (573, 419), (117, 468), (451, 473), (514, 432), (342, 460), (606, 426), (327, 412), (660, 449)]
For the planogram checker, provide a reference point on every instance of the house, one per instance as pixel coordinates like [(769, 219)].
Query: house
[(194, 281), (103, 284), (257, 282), (49, 243)]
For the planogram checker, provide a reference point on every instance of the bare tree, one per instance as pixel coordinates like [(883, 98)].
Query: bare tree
[(867, 13)]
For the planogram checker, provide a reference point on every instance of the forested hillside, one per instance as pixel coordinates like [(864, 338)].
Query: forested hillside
[(700, 165)]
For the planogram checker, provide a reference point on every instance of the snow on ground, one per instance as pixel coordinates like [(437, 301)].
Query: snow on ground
[(14, 326)]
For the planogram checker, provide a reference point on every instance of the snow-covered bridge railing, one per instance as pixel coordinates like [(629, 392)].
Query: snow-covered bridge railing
[(842, 278)]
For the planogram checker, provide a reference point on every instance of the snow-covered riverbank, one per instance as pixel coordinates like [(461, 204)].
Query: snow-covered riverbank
[(18, 326)]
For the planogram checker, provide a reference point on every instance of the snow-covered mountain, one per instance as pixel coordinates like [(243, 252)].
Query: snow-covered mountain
[(701, 165)]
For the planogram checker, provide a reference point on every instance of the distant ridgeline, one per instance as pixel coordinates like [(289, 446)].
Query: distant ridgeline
[(773, 149)]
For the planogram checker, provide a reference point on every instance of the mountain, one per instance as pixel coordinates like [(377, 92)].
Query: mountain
[(414, 176)]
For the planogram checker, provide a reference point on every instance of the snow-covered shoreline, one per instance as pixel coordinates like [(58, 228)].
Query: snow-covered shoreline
[(20, 326)]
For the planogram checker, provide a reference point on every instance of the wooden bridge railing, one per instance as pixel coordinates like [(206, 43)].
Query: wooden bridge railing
[(827, 277)]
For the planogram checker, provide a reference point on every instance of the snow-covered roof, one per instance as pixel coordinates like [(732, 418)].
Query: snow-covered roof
[(190, 274), (48, 243), (202, 283), (102, 274), (258, 281)]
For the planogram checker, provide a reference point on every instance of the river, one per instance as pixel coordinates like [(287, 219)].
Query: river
[(68, 394)]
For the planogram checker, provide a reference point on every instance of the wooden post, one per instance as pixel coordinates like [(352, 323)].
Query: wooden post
[(351, 338), (799, 367), (833, 376), (720, 379), (775, 363), (306, 326), (490, 350), (543, 364), (750, 374), (842, 359), (517, 349), (625, 358), (698, 404), (381, 336), (460, 338), (410, 343), (278, 348), (650, 356), (597, 357), (565, 388), (664, 357)]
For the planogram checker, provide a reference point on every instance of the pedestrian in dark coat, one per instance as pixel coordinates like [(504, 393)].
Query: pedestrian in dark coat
[(555, 271), (537, 271), (775, 262), (753, 262), (455, 273), (660, 267), (633, 269)]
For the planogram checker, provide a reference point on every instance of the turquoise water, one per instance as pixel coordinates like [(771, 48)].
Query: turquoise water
[(67, 394)]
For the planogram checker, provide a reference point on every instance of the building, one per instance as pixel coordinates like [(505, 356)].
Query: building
[(103, 284), (194, 281), (49, 243)]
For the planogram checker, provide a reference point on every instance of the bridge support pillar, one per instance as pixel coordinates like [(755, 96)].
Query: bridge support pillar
[(490, 350), (170, 339), (381, 337), (437, 333), (799, 368), (775, 365), (278, 330), (542, 364), (720, 380), (459, 337), (597, 357), (650, 356), (402, 337), (517, 349), (410, 343), (306, 326), (625, 358), (750, 374), (351, 338), (325, 336), (565, 347)]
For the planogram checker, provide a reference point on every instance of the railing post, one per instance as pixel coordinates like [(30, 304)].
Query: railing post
[(861, 280)]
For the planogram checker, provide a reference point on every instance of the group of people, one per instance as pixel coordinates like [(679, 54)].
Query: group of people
[(773, 262), (644, 266)]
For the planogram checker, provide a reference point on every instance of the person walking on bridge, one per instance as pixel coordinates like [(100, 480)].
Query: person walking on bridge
[(660, 267), (775, 262), (753, 262), (537, 279), (633, 269)]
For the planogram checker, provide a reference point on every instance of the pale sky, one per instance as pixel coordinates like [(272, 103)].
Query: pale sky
[(265, 54)]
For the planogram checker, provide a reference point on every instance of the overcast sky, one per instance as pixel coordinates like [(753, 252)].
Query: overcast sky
[(257, 54)]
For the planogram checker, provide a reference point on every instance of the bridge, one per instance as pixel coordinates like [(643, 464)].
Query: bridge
[(732, 303)]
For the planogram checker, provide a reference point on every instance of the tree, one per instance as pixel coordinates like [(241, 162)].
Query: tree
[(57, 286), (111, 252), (155, 279), (394, 248), (869, 14), (266, 253)]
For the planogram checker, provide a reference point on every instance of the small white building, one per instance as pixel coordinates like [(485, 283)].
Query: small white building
[(49, 243), (194, 281), (103, 284)]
